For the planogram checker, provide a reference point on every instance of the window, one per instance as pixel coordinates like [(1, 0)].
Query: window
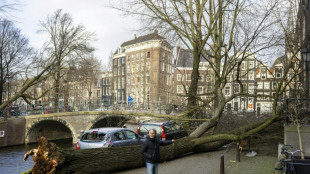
[(128, 69), (142, 67), (137, 56), (133, 68), (128, 80), (244, 87), (228, 78), (147, 79), (138, 79), (128, 58), (209, 89), (123, 72), (251, 64), (243, 65), (237, 88), (137, 67), (251, 88), (148, 54), (147, 66), (278, 75), (123, 60), (119, 136), (130, 135), (200, 90), (208, 78), (259, 97), (274, 85), (133, 57), (179, 77), (227, 90), (188, 77), (142, 56), (251, 75), (163, 66), (179, 89), (133, 80), (266, 85), (243, 75), (200, 78), (259, 85), (266, 93)]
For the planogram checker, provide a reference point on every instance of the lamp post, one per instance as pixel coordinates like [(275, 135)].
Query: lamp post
[(255, 89), (89, 100), (305, 53), (8, 79)]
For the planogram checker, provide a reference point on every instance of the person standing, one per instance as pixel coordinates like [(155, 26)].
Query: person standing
[(150, 151)]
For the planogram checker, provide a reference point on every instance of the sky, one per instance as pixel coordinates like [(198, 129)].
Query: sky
[(111, 28)]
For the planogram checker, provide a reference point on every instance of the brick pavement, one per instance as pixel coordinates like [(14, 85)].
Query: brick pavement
[(209, 163)]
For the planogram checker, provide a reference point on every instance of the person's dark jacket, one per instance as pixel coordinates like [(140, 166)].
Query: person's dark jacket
[(150, 149)]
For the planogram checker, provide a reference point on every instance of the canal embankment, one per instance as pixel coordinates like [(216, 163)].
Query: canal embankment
[(12, 132)]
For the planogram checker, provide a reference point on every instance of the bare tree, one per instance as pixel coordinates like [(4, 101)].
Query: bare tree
[(66, 41), (90, 71), (14, 52)]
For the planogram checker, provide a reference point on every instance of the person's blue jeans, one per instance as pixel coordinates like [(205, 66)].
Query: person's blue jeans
[(152, 168)]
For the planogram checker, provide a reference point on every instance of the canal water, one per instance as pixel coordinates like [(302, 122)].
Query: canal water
[(11, 158)]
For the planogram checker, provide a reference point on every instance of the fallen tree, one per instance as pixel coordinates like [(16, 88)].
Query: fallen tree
[(118, 158)]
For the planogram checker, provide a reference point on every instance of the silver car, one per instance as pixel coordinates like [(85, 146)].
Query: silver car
[(108, 137)]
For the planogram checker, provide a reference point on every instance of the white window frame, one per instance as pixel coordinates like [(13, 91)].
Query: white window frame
[(200, 78), (266, 85), (179, 89), (251, 75), (227, 90), (251, 64), (179, 77)]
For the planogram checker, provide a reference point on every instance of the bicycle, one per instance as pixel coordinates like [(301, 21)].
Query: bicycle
[(287, 159)]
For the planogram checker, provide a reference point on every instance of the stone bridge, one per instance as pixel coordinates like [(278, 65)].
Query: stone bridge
[(72, 124)]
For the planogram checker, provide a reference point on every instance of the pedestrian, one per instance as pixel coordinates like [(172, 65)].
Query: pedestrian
[(150, 151)]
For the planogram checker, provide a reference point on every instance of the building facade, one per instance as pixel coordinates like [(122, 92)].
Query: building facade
[(142, 71)]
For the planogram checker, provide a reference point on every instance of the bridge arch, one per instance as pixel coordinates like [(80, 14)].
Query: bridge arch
[(107, 121), (52, 128)]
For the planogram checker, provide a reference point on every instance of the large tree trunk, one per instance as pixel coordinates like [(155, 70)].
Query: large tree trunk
[(116, 158)]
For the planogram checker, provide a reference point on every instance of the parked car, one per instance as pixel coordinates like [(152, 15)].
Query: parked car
[(165, 130), (108, 137)]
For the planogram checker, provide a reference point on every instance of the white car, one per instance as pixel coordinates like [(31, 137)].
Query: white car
[(108, 137)]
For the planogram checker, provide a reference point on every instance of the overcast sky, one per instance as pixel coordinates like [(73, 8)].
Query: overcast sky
[(111, 28)]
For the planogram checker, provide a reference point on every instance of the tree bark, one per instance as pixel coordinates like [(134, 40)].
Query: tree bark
[(117, 158)]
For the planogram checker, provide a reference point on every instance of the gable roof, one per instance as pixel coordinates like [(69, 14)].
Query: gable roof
[(152, 36), (185, 58)]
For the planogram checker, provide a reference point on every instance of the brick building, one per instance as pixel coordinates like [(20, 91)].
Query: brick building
[(142, 70)]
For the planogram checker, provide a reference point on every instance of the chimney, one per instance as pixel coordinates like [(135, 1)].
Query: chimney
[(155, 34), (135, 36)]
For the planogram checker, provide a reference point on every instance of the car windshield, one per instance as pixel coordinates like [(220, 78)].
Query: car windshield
[(93, 136), (144, 129), (172, 128)]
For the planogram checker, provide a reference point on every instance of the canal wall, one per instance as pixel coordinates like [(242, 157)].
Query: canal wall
[(12, 132), (291, 137)]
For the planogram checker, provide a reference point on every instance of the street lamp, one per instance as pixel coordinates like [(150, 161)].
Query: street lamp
[(8, 79), (305, 53), (255, 93)]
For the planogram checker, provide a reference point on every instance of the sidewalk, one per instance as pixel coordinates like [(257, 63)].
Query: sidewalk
[(209, 163)]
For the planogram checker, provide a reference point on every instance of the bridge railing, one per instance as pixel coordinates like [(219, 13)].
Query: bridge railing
[(150, 107)]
